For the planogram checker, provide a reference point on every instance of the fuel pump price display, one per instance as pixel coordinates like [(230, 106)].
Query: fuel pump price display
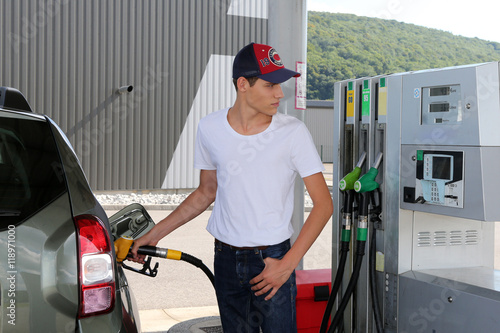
[(441, 105)]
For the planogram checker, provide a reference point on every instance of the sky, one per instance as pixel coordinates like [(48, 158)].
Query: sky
[(477, 18)]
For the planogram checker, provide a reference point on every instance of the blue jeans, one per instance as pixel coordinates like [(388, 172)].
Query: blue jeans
[(240, 310)]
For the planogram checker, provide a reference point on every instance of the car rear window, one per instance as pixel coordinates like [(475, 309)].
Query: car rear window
[(30, 169)]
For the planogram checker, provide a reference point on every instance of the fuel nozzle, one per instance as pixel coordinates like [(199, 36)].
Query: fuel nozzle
[(364, 185), (347, 183), (367, 182), (124, 244), (122, 247)]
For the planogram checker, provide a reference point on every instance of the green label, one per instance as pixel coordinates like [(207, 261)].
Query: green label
[(365, 94), (346, 235), (349, 85), (382, 82), (420, 155), (362, 234)]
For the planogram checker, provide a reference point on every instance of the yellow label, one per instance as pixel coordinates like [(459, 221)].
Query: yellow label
[(350, 103), (382, 101)]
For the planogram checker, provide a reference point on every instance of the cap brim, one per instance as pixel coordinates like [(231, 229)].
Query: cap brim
[(279, 76)]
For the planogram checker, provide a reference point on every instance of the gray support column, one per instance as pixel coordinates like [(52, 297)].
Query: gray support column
[(290, 40)]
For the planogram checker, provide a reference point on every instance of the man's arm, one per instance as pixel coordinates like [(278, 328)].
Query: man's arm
[(195, 204), (277, 272)]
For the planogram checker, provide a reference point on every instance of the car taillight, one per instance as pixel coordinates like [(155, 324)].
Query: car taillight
[(97, 277)]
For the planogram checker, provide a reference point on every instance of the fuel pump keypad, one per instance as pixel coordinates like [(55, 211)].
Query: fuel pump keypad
[(435, 193)]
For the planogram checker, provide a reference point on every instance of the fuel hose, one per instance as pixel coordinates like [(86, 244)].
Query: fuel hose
[(164, 253), (364, 186), (344, 249)]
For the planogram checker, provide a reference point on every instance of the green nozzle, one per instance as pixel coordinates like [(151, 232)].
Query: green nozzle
[(367, 183), (347, 183)]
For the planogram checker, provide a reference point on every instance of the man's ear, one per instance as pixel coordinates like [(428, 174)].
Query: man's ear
[(242, 84)]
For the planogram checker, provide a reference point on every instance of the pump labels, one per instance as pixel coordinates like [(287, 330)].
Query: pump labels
[(350, 101), (365, 105), (382, 98)]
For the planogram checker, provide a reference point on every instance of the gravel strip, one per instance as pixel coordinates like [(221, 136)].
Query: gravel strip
[(154, 200)]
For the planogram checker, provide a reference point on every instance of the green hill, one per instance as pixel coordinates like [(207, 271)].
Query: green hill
[(345, 46)]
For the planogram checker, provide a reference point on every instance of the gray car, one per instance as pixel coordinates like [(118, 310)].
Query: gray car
[(58, 271)]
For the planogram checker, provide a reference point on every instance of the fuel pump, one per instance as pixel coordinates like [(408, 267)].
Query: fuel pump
[(365, 186), (432, 242)]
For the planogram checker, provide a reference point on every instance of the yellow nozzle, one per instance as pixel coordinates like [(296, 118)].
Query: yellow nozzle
[(122, 246)]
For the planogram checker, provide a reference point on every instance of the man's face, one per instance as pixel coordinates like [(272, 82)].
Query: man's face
[(264, 97)]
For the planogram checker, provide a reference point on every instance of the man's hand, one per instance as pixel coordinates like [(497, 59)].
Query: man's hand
[(275, 274), (147, 239)]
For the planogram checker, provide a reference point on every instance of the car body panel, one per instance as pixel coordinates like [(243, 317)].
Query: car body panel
[(84, 202), (43, 273), (82, 198), (39, 275)]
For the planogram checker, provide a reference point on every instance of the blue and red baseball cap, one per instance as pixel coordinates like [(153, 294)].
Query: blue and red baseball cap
[(262, 61)]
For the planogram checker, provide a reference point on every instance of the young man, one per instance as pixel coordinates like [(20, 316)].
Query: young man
[(249, 156)]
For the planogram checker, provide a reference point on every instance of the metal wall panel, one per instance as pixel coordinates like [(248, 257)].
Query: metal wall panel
[(319, 119), (69, 58)]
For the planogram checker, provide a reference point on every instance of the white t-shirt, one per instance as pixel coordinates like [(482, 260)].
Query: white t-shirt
[(255, 177)]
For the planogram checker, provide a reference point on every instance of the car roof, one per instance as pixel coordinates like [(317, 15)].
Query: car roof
[(7, 113), (13, 99)]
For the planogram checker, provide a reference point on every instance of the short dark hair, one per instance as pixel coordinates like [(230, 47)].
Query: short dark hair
[(251, 80)]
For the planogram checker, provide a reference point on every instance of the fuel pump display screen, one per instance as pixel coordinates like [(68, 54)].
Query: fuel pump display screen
[(438, 167), (441, 167), (439, 107), (440, 91)]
